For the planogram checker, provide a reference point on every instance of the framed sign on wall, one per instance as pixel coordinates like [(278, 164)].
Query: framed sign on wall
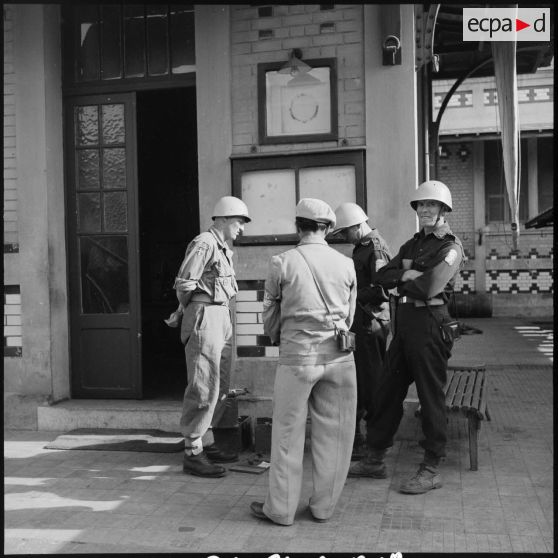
[(298, 106), (271, 185)]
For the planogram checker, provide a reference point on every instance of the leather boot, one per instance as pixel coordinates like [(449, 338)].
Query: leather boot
[(425, 479), (218, 455), (372, 465), (200, 466)]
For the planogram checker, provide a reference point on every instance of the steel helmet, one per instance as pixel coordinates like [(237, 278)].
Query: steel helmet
[(315, 210), (432, 190), (229, 206), (349, 214)]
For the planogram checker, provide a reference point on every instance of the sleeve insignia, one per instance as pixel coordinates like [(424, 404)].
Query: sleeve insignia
[(451, 257)]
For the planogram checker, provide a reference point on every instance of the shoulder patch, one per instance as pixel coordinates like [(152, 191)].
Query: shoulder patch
[(451, 257)]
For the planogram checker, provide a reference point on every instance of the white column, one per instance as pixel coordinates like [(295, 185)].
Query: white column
[(213, 99), (392, 158)]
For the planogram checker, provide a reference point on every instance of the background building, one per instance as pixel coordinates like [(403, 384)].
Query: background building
[(125, 123)]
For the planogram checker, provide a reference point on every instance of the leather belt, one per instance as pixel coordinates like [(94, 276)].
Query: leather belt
[(202, 297), (431, 302)]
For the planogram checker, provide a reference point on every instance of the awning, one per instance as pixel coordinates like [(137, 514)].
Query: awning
[(544, 219)]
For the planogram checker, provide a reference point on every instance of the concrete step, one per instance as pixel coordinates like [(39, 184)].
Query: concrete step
[(106, 413), (120, 413)]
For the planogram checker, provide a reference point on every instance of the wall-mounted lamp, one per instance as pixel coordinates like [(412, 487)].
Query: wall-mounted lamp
[(463, 152), (444, 152), (299, 70), (295, 65)]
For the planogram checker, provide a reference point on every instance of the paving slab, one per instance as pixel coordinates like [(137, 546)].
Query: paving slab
[(88, 502)]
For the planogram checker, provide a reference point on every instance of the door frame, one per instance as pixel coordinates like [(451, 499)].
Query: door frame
[(132, 320)]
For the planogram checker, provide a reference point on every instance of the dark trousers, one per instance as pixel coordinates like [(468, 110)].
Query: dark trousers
[(417, 353), (369, 360)]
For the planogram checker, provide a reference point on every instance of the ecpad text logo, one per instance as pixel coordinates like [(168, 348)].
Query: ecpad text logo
[(506, 24)]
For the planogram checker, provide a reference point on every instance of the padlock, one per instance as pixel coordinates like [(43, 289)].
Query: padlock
[(391, 50)]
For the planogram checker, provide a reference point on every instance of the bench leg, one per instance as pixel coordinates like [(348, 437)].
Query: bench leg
[(474, 428)]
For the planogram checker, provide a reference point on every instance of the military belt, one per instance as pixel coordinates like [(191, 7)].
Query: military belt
[(430, 302), (202, 297)]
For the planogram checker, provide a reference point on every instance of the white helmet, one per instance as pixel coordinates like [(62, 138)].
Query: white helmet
[(229, 206), (349, 214), (432, 190), (315, 210)]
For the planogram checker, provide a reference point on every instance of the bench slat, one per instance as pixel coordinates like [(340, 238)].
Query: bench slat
[(479, 381), (467, 402), (458, 397), (451, 388)]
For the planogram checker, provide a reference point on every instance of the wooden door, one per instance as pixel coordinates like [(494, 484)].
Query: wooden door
[(103, 246)]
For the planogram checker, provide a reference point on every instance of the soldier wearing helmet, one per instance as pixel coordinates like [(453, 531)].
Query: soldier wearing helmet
[(371, 324), (204, 285), (424, 272), (310, 293)]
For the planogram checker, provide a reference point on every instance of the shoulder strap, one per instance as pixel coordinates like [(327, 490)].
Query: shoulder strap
[(315, 280)]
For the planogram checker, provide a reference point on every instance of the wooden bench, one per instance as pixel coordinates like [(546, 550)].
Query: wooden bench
[(467, 392)]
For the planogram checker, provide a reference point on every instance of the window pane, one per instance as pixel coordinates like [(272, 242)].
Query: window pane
[(334, 185), (104, 274), (545, 157), (113, 123), (88, 169), (89, 213), (114, 168), (115, 212), (88, 63), (157, 35), (111, 65), (134, 41), (271, 199), (87, 121), (182, 39)]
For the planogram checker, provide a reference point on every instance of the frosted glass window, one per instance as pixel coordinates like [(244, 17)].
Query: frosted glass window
[(271, 199), (334, 185)]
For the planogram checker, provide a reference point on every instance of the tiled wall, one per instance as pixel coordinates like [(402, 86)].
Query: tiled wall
[(250, 338), (12, 321), (11, 241), (268, 34)]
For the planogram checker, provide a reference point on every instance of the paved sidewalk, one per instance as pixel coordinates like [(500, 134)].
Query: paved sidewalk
[(122, 502)]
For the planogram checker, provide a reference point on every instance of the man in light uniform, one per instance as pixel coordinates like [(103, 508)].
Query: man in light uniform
[(204, 285), (424, 272), (313, 375), (371, 324)]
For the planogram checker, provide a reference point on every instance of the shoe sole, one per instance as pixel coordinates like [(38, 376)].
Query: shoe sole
[(196, 474), (403, 491), (368, 475), (219, 460)]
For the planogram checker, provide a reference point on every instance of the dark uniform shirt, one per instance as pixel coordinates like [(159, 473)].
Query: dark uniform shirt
[(369, 255), (438, 255)]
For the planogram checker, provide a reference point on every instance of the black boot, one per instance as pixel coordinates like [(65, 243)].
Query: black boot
[(200, 466), (220, 456)]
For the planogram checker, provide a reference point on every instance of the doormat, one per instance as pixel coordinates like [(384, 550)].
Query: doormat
[(118, 439)]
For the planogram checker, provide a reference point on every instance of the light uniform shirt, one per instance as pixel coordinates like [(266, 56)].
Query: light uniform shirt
[(294, 313), (207, 268)]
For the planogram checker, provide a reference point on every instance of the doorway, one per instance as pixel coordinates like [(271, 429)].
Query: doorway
[(168, 221)]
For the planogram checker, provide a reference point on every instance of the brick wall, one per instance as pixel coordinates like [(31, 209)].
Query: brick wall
[(10, 189), (268, 34), (456, 171)]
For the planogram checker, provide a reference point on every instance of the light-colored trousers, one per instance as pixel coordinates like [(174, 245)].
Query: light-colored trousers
[(206, 332), (328, 393)]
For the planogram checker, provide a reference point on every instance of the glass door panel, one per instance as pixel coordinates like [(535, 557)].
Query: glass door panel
[(104, 278)]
